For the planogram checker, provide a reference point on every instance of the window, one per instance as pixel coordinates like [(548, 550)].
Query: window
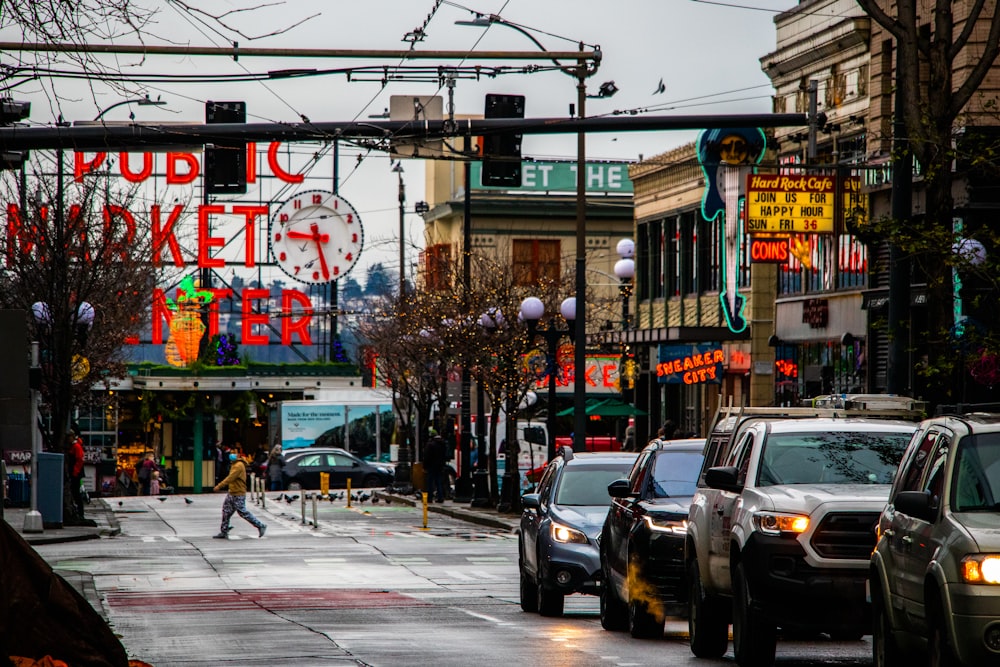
[(675, 474), (977, 474), (639, 474), (536, 261), (587, 484), (437, 266), (917, 462)]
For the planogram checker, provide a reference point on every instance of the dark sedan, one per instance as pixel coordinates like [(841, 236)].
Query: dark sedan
[(642, 543), (303, 467)]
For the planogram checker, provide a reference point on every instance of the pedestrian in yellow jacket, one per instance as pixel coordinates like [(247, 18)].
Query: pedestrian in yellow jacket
[(236, 499)]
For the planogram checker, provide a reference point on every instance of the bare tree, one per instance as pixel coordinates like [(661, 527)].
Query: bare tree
[(944, 52), (76, 256)]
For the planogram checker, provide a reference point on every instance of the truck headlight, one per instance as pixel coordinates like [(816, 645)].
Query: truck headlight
[(561, 533), (675, 526), (981, 569), (776, 523)]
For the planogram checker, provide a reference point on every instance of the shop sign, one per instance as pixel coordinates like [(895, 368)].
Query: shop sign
[(769, 251), (601, 375), (780, 203), (561, 177), (816, 313), (700, 363)]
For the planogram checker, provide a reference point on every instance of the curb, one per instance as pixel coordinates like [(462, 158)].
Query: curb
[(459, 513)]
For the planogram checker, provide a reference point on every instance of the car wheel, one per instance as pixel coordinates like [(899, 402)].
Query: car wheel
[(529, 592), (885, 651), (644, 622), (371, 481), (708, 627), (941, 652), (614, 612), (754, 638), (550, 602)]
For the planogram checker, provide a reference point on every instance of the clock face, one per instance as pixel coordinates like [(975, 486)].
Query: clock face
[(316, 236)]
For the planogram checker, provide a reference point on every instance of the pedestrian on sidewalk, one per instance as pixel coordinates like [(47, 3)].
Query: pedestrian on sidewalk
[(236, 499), (275, 463), (154, 483), (74, 461), (434, 459)]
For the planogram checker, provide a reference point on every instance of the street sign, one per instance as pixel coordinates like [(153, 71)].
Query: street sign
[(779, 203)]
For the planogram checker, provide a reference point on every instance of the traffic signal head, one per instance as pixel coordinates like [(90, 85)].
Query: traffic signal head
[(226, 162), (502, 150)]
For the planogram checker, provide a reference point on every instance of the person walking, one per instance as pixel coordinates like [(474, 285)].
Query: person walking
[(434, 459), (236, 499), (144, 473), (74, 462), (275, 464)]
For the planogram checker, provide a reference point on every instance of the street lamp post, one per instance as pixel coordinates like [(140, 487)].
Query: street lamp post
[(142, 101), (625, 270), (398, 169), (532, 310)]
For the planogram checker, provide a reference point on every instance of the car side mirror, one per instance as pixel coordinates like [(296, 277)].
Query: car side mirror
[(620, 488), (918, 504), (530, 501), (724, 478), (355, 464)]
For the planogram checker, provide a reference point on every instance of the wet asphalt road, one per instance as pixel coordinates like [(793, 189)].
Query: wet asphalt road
[(368, 586)]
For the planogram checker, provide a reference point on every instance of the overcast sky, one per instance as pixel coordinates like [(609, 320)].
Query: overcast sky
[(706, 53)]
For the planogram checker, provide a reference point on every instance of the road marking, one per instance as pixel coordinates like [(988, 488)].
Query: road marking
[(458, 575), (172, 538), (488, 559), (320, 561), (491, 619)]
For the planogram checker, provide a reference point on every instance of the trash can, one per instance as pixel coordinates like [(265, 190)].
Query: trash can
[(50, 488)]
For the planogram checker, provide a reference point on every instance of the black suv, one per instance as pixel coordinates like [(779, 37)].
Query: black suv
[(561, 525), (642, 544)]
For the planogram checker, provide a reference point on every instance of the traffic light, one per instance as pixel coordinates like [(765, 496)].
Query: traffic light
[(226, 161), (12, 111), (502, 150)]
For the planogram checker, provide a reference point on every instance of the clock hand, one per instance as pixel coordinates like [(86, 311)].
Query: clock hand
[(315, 236), (320, 239)]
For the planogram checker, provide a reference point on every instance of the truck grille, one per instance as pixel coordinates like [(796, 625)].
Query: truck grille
[(846, 535)]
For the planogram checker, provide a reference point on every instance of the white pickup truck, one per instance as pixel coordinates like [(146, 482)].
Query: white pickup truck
[(781, 527)]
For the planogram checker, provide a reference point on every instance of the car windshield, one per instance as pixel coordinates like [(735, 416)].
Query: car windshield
[(834, 457), (588, 484), (976, 483), (676, 473)]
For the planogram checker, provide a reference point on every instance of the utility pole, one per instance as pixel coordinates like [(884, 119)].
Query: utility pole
[(898, 367)]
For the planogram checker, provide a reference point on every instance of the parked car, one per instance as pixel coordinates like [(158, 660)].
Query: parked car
[(560, 526), (935, 571), (781, 528), (642, 544), (303, 466)]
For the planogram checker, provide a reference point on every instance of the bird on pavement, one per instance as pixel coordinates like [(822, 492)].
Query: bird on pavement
[(660, 88), (162, 498), (119, 503), (374, 499), (281, 496), (365, 497), (188, 501)]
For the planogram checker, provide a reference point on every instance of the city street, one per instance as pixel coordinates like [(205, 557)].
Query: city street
[(368, 587)]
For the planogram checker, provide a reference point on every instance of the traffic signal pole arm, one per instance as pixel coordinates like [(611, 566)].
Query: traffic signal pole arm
[(134, 136)]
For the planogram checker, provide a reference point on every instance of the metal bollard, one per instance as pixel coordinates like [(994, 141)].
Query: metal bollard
[(303, 502), (424, 497), (315, 500), (263, 497), (348, 492)]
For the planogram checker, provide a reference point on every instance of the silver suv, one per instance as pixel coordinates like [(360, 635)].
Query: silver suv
[(781, 529), (935, 572)]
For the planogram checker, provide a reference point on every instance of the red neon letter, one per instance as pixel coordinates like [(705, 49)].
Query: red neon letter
[(299, 326), (131, 176), (161, 314), (250, 213), (175, 178), (205, 241), (251, 162), (166, 234), (272, 161), (81, 166), (250, 318)]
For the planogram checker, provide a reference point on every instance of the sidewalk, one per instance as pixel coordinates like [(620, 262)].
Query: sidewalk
[(98, 510)]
